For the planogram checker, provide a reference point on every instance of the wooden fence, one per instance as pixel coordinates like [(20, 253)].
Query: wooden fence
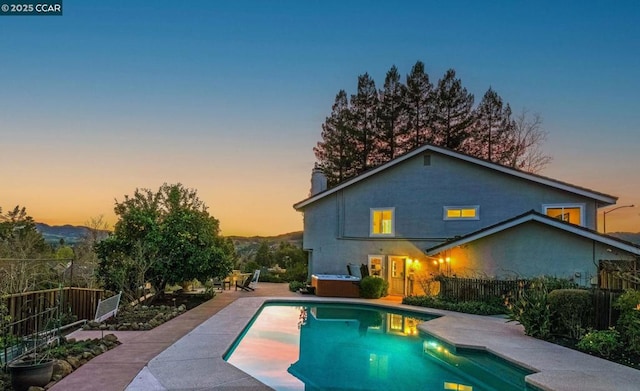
[(618, 274), (471, 289), (604, 313), (79, 302)]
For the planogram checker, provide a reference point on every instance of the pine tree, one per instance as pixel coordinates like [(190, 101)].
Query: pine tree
[(336, 151), (392, 118), (453, 112), (419, 105), (491, 135), (364, 108)]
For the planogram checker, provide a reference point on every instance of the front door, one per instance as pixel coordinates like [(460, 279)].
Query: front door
[(396, 275)]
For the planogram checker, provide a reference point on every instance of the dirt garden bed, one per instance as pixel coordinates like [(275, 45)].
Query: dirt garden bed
[(146, 317)]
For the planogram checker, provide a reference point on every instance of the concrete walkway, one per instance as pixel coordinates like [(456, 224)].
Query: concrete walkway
[(186, 352), (115, 369)]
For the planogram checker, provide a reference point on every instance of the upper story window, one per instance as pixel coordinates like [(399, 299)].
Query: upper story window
[(382, 222), (571, 213), (462, 212)]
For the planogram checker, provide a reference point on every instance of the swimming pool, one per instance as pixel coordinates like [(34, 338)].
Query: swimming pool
[(322, 346)]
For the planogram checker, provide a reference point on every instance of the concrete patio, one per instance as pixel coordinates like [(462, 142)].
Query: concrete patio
[(186, 352)]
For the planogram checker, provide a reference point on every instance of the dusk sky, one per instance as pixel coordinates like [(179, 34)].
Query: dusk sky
[(228, 97)]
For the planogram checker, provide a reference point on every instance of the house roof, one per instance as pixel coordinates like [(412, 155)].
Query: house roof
[(604, 199), (540, 218)]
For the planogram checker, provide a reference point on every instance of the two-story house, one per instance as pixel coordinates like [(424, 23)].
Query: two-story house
[(434, 210)]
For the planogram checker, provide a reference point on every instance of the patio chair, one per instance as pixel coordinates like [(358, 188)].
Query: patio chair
[(364, 270), (354, 270), (221, 284), (254, 280), (246, 284)]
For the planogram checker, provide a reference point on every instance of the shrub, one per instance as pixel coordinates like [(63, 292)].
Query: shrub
[(372, 287), (553, 283), (600, 342), (269, 277), (468, 307), (570, 311), (294, 286), (296, 272), (629, 321), (531, 310)]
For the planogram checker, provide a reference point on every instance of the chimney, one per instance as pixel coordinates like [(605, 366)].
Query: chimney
[(318, 181)]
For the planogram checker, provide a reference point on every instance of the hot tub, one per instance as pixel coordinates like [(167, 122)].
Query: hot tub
[(336, 285)]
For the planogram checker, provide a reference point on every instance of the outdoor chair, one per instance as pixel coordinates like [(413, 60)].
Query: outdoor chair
[(364, 270), (249, 284), (254, 279), (221, 284), (354, 270)]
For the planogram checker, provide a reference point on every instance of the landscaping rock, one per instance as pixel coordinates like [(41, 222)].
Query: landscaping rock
[(61, 368), (110, 338), (87, 356), (74, 362)]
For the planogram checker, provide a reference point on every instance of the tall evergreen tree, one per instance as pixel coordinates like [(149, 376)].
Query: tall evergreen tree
[(336, 152), (392, 118), (453, 112), (419, 106), (364, 108), (374, 127), (491, 135)]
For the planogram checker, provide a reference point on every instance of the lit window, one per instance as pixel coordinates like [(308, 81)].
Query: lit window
[(457, 387), (569, 213), (462, 212), (382, 223)]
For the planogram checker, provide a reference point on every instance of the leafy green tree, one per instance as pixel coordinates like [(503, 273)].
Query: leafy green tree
[(453, 112), (163, 237), (22, 245), (288, 255), (264, 256), (419, 107), (364, 108), (336, 152), (64, 252), (19, 237), (392, 130)]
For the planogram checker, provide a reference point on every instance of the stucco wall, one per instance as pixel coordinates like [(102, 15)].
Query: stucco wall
[(337, 227), (529, 250)]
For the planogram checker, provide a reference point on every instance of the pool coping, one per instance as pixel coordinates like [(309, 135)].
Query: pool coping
[(195, 361)]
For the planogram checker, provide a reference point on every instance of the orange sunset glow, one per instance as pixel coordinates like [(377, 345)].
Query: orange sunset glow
[(230, 100)]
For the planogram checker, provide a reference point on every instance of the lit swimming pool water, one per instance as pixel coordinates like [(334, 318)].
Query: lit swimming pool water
[(314, 346)]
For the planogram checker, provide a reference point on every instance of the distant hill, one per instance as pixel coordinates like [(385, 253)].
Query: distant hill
[(71, 234), (246, 246)]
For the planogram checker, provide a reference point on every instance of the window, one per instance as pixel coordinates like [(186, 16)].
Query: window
[(382, 222), (571, 213), (462, 212)]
